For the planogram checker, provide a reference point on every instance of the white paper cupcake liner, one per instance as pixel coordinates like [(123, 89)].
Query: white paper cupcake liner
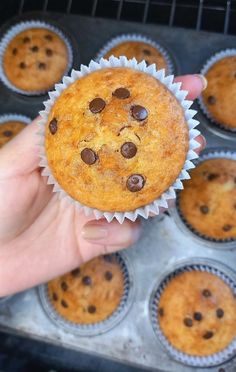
[(15, 30), (196, 264), (213, 153), (137, 37), (180, 95), (15, 117), (94, 329), (210, 62)]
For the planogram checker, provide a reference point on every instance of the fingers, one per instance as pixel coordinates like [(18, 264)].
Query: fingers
[(202, 141), (194, 84), (20, 155)]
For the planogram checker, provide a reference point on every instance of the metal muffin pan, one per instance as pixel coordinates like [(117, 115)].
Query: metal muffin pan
[(163, 245)]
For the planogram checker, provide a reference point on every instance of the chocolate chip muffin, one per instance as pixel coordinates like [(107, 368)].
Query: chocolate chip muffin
[(218, 96), (35, 59), (9, 130), (89, 294), (208, 201), (130, 144), (197, 313), (141, 51)]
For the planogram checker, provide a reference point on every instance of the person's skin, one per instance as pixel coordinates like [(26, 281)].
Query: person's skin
[(41, 236)]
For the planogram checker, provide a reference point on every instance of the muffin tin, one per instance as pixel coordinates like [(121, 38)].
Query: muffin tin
[(163, 244)]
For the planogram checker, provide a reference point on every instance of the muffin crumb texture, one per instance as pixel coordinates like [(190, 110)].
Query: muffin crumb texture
[(89, 294), (197, 313), (219, 95), (116, 139), (35, 59), (208, 201)]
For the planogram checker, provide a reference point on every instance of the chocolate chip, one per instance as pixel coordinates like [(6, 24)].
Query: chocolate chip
[(14, 51), (206, 293), (204, 209), (22, 65), (75, 272), (135, 182), (86, 280), (227, 227), (211, 100), (34, 49), (147, 52), (188, 322), (212, 176), (208, 334), (161, 312), (64, 286), (88, 156), (139, 112), (42, 66), (92, 309), (26, 39), (128, 150), (64, 303), (108, 276), (97, 105), (121, 93), (7, 133), (54, 296), (234, 206), (197, 316), (49, 52), (219, 313), (53, 126), (48, 37)]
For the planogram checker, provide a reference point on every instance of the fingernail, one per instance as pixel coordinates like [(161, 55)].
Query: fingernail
[(203, 80), (204, 142), (94, 231)]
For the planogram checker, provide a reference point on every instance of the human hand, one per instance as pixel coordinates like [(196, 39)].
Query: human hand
[(42, 236)]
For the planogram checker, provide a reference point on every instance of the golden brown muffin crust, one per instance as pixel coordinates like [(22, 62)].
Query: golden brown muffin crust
[(100, 178), (89, 294), (197, 313), (208, 201), (35, 59), (220, 92), (141, 51), (9, 130)]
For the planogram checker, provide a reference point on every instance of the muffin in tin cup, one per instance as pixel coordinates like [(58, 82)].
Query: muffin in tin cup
[(206, 208), (91, 299), (193, 312), (11, 125)]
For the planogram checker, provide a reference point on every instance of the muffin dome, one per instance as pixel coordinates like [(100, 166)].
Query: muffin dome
[(116, 139)]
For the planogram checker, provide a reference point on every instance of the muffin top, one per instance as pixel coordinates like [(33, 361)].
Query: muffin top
[(116, 139), (141, 51), (35, 59), (197, 313), (218, 96), (9, 130), (89, 294), (208, 201)]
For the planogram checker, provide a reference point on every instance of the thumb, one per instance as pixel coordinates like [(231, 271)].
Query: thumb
[(100, 237)]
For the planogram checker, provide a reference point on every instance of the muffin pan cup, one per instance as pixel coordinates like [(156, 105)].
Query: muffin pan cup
[(195, 264), (180, 95), (224, 244), (14, 117), (15, 30), (215, 126), (94, 329), (171, 68)]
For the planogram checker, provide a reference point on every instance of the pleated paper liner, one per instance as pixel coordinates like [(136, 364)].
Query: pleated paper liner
[(14, 117), (215, 126), (194, 264), (171, 64), (14, 31), (113, 320), (175, 88), (182, 222)]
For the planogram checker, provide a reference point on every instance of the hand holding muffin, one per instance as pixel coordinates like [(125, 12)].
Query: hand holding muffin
[(42, 234)]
